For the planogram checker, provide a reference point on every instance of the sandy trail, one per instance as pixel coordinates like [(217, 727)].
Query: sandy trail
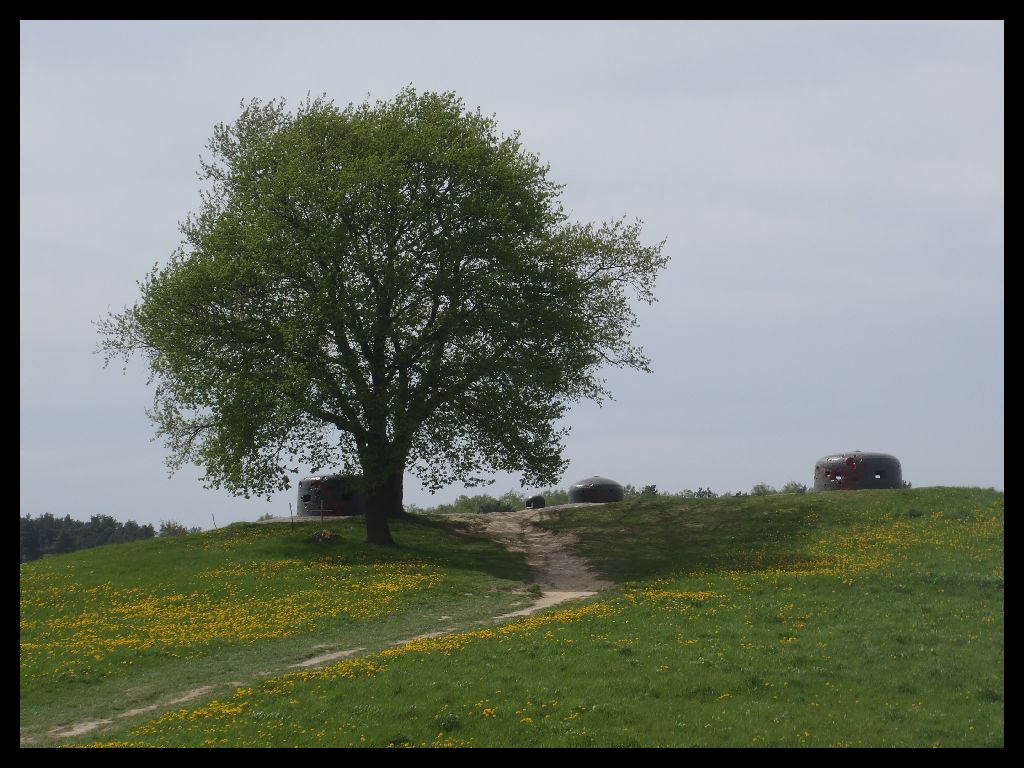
[(88, 725), (559, 572)]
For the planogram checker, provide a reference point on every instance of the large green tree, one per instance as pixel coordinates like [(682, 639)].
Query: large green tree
[(386, 287)]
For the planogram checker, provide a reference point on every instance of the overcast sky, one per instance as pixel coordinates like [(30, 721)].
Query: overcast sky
[(831, 194)]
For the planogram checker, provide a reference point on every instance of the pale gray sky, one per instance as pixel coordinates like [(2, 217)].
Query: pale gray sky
[(831, 192)]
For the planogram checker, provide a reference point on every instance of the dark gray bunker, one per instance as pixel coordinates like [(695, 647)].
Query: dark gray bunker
[(595, 490), (857, 470), (332, 494)]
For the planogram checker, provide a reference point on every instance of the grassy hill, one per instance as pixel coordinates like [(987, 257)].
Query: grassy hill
[(868, 618)]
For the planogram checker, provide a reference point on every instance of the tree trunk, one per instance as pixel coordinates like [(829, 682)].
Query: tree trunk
[(377, 530), (383, 465), (383, 502), (396, 487)]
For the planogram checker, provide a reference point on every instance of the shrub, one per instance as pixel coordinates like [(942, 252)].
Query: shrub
[(173, 528)]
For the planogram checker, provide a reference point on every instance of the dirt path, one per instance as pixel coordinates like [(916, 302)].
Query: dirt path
[(560, 574), (88, 725)]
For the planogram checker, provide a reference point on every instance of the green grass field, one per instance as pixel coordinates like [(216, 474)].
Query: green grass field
[(868, 618)]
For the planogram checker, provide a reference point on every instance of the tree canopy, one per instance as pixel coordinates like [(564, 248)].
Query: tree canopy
[(379, 288)]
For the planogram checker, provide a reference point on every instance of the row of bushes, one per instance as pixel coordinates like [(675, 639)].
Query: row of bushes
[(512, 501)]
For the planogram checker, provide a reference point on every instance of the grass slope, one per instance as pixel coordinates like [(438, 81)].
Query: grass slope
[(130, 626), (868, 618)]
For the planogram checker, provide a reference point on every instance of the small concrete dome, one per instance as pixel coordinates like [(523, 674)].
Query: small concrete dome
[(595, 490)]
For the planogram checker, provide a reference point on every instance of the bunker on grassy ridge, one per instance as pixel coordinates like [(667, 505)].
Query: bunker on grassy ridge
[(857, 470), (333, 494), (595, 490)]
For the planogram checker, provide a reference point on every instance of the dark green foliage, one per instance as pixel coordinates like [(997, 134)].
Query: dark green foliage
[(380, 288), (508, 502), (555, 496), (173, 528), (700, 493), (762, 489), (49, 535), (499, 506)]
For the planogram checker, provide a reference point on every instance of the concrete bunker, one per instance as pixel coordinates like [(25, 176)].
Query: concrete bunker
[(331, 495), (857, 470), (595, 490)]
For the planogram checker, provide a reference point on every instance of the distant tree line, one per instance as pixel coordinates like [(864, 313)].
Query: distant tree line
[(508, 502), (49, 535), (511, 501), (761, 489), (630, 492)]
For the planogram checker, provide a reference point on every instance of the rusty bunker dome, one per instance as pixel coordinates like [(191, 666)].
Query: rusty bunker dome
[(595, 490), (857, 470), (333, 494)]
